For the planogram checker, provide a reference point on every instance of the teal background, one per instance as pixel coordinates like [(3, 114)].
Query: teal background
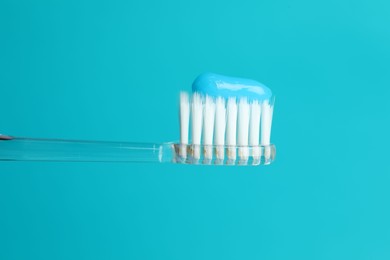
[(112, 70)]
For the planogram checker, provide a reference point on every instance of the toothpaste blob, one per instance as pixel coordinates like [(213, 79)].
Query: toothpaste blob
[(215, 85)]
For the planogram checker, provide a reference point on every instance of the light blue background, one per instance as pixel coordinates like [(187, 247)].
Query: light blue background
[(112, 70)]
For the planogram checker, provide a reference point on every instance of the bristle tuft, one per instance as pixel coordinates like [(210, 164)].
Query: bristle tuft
[(243, 129), (208, 122), (208, 126), (266, 122), (220, 127), (184, 117), (197, 118), (254, 129), (231, 123), (243, 122), (231, 129)]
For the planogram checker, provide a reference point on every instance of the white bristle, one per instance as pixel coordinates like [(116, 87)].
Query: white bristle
[(254, 123), (266, 122), (184, 123), (208, 126), (184, 117), (220, 122), (231, 122), (220, 127), (243, 128), (197, 118), (231, 127), (208, 120), (243, 122), (254, 129)]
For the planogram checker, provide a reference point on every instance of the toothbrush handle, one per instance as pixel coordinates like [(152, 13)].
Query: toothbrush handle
[(32, 149)]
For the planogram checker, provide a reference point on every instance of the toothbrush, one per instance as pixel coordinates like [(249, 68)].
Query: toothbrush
[(229, 120)]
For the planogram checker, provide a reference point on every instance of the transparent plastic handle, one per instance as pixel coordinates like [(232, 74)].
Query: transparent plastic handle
[(33, 149)]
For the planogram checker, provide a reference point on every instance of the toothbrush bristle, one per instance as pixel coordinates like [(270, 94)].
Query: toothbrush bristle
[(243, 122), (220, 121), (243, 130), (208, 127), (254, 123), (254, 129), (231, 130), (225, 131), (220, 129), (208, 121), (266, 122), (184, 117), (197, 118), (231, 124)]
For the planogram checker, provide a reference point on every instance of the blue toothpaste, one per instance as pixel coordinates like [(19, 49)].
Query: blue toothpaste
[(223, 86)]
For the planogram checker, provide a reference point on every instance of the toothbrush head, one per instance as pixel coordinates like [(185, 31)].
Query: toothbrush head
[(230, 122)]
